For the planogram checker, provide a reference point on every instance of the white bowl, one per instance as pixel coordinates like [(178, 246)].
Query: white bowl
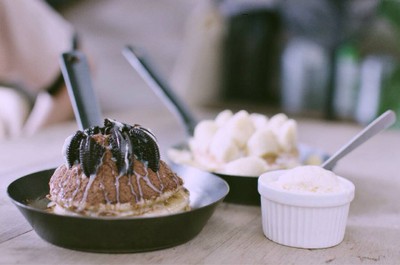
[(304, 220)]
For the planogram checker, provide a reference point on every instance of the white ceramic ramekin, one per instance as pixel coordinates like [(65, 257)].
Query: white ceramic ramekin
[(304, 220)]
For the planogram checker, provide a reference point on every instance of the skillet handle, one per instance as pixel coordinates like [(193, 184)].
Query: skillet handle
[(154, 81), (75, 69)]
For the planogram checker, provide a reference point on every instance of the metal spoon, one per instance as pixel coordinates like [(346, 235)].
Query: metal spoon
[(379, 124)]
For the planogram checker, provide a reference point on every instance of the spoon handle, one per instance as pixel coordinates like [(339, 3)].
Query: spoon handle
[(75, 69), (379, 124), (155, 82)]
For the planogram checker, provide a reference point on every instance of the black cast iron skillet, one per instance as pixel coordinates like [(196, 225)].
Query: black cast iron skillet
[(118, 235), (242, 189), (112, 235)]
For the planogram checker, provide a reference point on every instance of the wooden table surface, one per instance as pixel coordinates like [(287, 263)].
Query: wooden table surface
[(233, 235)]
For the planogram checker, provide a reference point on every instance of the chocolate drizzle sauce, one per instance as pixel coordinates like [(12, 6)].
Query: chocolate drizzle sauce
[(126, 144)]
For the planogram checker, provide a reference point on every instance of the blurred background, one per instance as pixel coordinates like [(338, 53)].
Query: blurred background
[(326, 59)]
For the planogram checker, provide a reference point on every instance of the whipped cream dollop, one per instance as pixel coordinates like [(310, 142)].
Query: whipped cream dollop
[(241, 143), (308, 179)]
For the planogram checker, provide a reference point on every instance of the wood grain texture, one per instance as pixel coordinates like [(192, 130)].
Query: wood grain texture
[(233, 235)]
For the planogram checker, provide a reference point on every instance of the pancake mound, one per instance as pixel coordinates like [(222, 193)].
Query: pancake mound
[(114, 171)]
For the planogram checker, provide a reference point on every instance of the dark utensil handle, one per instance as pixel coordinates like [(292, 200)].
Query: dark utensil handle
[(75, 69), (138, 61)]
